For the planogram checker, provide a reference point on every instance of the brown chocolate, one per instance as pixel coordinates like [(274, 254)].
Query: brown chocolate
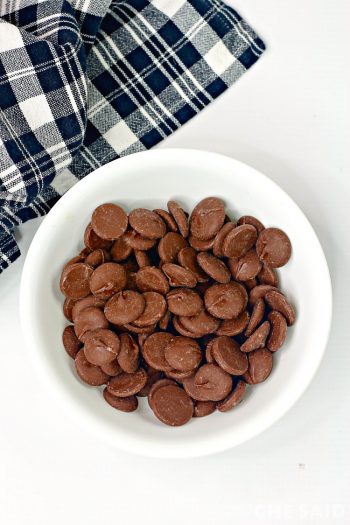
[(97, 257), (90, 374), (159, 384), (112, 368), (256, 317), (101, 346), (152, 377), (201, 245), (233, 399), (121, 250), (165, 320), (89, 319), (273, 247), (259, 292), (87, 302), (68, 308), (125, 385), (213, 267), (268, 275), (207, 218), (93, 242), (70, 342), (179, 217), (128, 358), (179, 276), (168, 219), (107, 280), (220, 237), (253, 221), (228, 355), (257, 339), (170, 245), (277, 301), (246, 267), (125, 404), (187, 257), (235, 326), (125, 307), (184, 302), (226, 301), (137, 241), (278, 331), (204, 408), (151, 279), (181, 329), (183, 354), (109, 221), (142, 258), (239, 241), (210, 383), (172, 405), (200, 324), (74, 281), (260, 366), (154, 348), (155, 309), (147, 223)]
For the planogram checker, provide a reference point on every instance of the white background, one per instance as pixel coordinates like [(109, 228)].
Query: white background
[(289, 117)]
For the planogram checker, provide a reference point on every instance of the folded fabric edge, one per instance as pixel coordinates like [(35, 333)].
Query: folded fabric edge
[(9, 251)]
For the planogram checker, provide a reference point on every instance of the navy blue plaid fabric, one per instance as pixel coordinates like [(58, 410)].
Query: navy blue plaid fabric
[(83, 82)]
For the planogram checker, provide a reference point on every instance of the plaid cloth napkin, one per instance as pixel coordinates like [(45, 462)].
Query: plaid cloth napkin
[(83, 82)]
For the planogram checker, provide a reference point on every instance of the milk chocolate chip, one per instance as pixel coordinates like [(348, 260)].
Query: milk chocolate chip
[(107, 279), (274, 247), (147, 223), (172, 405), (125, 307), (184, 301), (125, 385), (213, 267), (278, 302), (125, 404), (226, 301), (128, 357), (278, 331), (74, 281), (101, 346), (183, 354), (151, 279), (170, 245), (90, 374), (239, 241), (179, 216), (207, 218), (109, 221)]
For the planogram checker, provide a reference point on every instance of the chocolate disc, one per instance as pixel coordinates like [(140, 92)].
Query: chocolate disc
[(154, 310), (120, 250), (107, 280), (179, 217), (273, 247), (267, 275), (125, 404), (239, 241), (208, 351), (170, 245), (159, 384), (74, 281), (259, 292), (201, 245), (125, 307), (130, 327), (210, 383), (183, 354), (68, 308), (128, 358), (215, 268), (231, 327), (147, 223), (256, 317), (260, 366), (88, 320), (124, 385), (92, 241), (172, 405), (253, 221), (179, 276), (154, 348), (187, 257), (87, 302), (228, 356), (246, 267), (142, 258), (204, 408), (278, 302), (219, 238), (178, 326), (168, 219), (257, 339), (97, 257), (233, 399), (165, 320), (177, 375), (226, 301), (112, 368), (152, 377), (184, 301), (137, 241), (70, 342), (90, 374), (278, 331), (200, 324), (151, 279), (109, 221), (101, 346), (207, 218)]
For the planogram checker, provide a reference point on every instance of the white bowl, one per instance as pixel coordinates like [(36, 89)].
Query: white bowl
[(150, 179)]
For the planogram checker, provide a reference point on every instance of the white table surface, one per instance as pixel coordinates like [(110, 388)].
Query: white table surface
[(289, 117)]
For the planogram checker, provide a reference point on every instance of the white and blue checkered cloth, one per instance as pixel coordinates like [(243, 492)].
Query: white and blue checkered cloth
[(83, 82)]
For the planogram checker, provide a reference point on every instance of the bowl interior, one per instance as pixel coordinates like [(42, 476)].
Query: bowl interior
[(150, 180)]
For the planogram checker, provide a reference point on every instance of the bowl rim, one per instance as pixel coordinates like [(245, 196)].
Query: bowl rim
[(61, 394)]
